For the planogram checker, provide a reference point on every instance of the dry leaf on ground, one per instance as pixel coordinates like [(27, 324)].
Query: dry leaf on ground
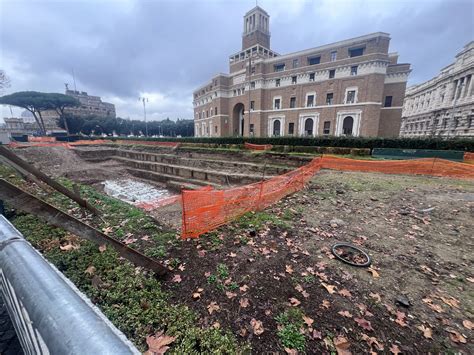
[(342, 345), (344, 292), (468, 324), (213, 307), (257, 326), (427, 332), (395, 350), (294, 302), (158, 343), (244, 302), (90, 270), (346, 314), (102, 248), (329, 288), (177, 278), (364, 323), (456, 337), (309, 321)]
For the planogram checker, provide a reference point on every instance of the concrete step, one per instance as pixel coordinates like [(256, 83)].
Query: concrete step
[(162, 177), (177, 185), (218, 177)]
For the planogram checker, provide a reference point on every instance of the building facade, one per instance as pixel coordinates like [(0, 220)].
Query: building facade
[(90, 106), (444, 105), (352, 87)]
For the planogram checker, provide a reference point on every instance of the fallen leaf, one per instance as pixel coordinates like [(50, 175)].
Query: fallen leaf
[(374, 272), (451, 301), (90, 270), (433, 306), (456, 337), (232, 255), (216, 325), (177, 278), (317, 334), (181, 267), (230, 295), (107, 230), (257, 326), (213, 307), (329, 288), (102, 248), (309, 321), (68, 247), (468, 324), (427, 332), (291, 351), (342, 345), (401, 319), (326, 304), (146, 238), (345, 293), (294, 302), (394, 349), (364, 323), (158, 343), (242, 332), (244, 302), (243, 288), (346, 314), (375, 296), (289, 269), (372, 341), (129, 240)]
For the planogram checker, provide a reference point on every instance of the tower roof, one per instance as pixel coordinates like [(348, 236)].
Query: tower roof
[(257, 9)]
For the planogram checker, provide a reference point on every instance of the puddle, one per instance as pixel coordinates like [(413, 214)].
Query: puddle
[(133, 191)]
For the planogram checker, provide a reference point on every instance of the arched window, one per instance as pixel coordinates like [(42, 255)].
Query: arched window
[(276, 127), (308, 127), (347, 126)]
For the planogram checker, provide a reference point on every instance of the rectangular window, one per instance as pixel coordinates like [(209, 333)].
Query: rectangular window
[(329, 98), (215, 129), (314, 60), (252, 70), (252, 105), (350, 97), (215, 110), (327, 127), (291, 128), (252, 85), (277, 82), (310, 101), (199, 115), (332, 73), (292, 102), (354, 70), (333, 56), (293, 79), (356, 52), (388, 101), (295, 63), (279, 67), (311, 76), (251, 129), (276, 104)]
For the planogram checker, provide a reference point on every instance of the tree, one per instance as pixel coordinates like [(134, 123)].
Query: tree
[(4, 81), (33, 101), (58, 103)]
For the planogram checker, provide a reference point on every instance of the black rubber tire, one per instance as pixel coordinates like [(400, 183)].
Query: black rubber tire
[(346, 245)]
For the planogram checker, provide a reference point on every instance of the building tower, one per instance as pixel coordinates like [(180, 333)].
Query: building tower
[(256, 28)]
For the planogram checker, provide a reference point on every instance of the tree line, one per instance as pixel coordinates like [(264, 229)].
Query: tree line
[(120, 126), (39, 102)]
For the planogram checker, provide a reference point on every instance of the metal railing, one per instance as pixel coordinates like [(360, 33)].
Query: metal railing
[(50, 315)]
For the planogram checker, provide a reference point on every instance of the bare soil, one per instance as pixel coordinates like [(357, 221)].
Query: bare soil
[(417, 230)]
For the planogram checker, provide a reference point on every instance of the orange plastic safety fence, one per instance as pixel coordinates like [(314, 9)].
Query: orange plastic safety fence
[(469, 157), (427, 166), (42, 139), (258, 146), (204, 211)]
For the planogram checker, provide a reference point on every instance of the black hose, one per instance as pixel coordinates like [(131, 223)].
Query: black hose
[(350, 246)]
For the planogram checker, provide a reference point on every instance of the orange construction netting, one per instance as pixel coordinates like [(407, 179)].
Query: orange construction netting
[(42, 139), (427, 166), (258, 146), (204, 211), (469, 158)]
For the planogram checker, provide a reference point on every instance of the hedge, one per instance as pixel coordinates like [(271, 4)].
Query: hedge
[(464, 144)]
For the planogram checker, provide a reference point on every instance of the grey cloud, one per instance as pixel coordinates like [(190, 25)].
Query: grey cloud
[(123, 48)]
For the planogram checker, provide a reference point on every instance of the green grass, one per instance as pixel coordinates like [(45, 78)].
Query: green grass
[(257, 220), (132, 299), (290, 323)]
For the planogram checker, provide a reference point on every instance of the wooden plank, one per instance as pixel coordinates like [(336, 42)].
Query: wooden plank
[(26, 202), (6, 153)]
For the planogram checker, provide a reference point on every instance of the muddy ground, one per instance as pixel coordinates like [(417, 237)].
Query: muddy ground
[(418, 231), (271, 279)]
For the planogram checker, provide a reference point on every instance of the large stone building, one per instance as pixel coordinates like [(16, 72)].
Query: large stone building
[(353, 87), (90, 106), (444, 105)]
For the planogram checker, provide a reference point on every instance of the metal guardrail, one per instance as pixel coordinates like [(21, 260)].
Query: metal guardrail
[(50, 315)]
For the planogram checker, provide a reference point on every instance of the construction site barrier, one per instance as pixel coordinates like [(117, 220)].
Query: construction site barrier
[(162, 144), (427, 166), (469, 158), (53, 143), (204, 211), (42, 139), (257, 146)]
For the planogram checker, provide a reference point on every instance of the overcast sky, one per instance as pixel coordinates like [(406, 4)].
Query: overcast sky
[(164, 49)]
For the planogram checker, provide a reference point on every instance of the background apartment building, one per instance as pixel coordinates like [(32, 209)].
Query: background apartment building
[(444, 105), (353, 87)]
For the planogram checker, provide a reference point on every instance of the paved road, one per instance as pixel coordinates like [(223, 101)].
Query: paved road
[(9, 344)]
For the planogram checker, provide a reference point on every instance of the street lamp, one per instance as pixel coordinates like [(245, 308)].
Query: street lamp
[(144, 100)]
